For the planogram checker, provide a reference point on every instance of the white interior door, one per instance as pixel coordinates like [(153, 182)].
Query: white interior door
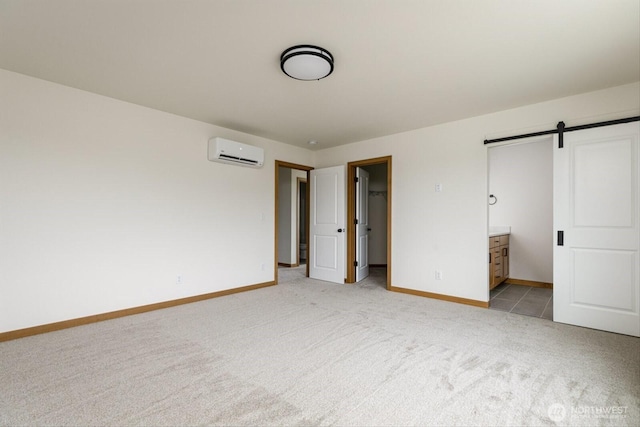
[(596, 282), (362, 224), (327, 229)]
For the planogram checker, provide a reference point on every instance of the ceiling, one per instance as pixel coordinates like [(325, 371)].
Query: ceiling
[(399, 64)]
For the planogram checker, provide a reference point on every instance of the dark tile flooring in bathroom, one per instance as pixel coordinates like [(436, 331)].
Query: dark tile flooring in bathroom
[(518, 299)]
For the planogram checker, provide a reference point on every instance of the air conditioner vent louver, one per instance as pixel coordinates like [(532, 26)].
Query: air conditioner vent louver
[(231, 152), (238, 159)]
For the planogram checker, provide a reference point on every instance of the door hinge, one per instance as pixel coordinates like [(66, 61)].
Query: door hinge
[(355, 263), (356, 179), (355, 221), (560, 238)]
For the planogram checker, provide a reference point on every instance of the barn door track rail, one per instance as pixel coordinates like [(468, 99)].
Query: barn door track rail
[(561, 129)]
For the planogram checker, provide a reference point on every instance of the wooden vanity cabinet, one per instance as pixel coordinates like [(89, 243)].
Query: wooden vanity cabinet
[(504, 252), (498, 260)]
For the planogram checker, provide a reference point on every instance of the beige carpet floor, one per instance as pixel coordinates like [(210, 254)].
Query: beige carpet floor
[(307, 352)]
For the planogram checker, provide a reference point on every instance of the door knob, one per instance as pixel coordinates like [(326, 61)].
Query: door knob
[(368, 229), (340, 230)]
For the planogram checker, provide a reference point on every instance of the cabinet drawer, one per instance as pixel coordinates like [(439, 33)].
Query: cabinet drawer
[(494, 241), (504, 240)]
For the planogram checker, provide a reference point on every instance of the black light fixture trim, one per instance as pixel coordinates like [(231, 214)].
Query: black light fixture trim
[(324, 54)]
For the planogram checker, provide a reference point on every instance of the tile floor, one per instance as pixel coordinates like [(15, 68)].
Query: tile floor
[(518, 299)]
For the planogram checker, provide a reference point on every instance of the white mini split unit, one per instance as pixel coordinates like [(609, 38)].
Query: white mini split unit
[(235, 153)]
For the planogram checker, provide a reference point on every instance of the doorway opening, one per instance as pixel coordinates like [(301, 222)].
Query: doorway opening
[(291, 216), (301, 220), (521, 227), (377, 230)]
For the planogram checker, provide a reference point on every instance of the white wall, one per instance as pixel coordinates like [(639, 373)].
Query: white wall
[(521, 178), (103, 203), (448, 231)]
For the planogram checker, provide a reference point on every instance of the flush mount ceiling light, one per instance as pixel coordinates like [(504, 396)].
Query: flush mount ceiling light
[(306, 62)]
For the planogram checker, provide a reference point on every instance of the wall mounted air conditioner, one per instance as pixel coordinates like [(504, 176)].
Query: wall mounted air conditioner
[(226, 151)]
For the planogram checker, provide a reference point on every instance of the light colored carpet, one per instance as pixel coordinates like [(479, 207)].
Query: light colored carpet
[(307, 352)]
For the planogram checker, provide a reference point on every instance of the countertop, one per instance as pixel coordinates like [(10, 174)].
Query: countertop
[(499, 230)]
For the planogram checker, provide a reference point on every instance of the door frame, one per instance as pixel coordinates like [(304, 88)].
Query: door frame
[(307, 169), (351, 209)]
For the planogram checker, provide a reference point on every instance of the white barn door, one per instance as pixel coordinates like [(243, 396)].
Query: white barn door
[(596, 216), (327, 228)]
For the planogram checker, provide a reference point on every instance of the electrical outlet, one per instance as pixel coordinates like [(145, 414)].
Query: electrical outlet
[(438, 188), (438, 275), (179, 279)]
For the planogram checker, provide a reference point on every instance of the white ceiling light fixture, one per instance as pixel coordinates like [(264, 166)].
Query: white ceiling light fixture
[(306, 62)]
